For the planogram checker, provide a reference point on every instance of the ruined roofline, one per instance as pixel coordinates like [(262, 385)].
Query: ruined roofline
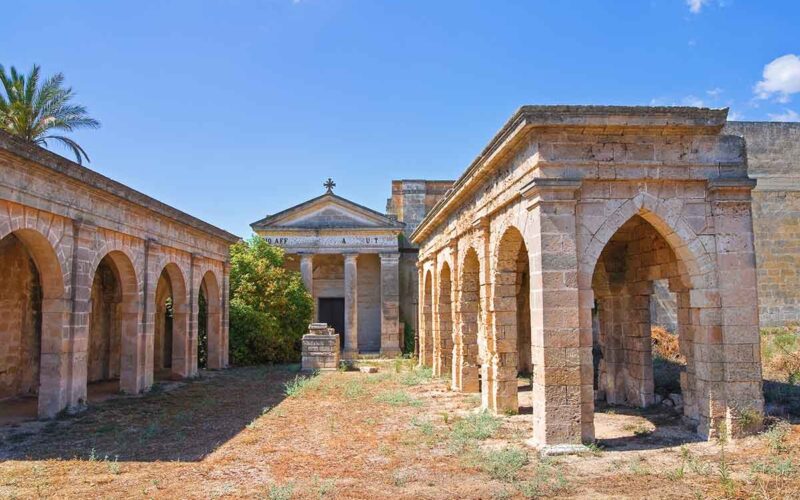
[(84, 175), (691, 120)]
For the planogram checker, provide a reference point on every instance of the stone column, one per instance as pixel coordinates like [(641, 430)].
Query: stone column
[(390, 304), (562, 390), (350, 305)]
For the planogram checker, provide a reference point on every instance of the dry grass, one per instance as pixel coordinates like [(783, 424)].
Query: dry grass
[(351, 435)]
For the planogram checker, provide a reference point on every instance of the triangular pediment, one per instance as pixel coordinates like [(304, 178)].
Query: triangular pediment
[(327, 212)]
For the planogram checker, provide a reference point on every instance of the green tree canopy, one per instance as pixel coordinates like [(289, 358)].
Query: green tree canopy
[(270, 306), (34, 111)]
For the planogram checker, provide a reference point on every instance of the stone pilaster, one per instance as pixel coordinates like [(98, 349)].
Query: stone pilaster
[(390, 304), (226, 292), (562, 360), (350, 305), (84, 253)]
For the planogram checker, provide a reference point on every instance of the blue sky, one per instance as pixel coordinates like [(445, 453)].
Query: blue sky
[(230, 110)]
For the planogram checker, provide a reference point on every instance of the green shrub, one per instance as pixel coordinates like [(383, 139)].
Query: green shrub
[(408, 339), (270, 309), (503, 464), (300, 384)]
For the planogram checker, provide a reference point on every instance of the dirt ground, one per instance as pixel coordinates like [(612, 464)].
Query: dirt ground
[(397, 433)]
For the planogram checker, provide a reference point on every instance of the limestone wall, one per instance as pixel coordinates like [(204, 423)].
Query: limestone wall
[(411, 201), (773, 156)]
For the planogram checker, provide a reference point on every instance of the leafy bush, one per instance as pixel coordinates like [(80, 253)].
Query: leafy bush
[(270, 307), (408, 339)]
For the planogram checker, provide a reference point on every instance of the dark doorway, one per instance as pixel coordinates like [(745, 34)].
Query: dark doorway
[(331, 311)]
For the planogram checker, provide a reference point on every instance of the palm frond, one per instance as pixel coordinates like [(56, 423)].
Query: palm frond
[(33, 107), (70, 144)]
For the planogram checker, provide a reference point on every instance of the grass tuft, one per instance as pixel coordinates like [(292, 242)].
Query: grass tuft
[(398, 398)]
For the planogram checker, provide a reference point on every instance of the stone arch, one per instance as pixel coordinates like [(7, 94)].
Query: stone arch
[(181, 363), (49, 318), (699, 265), (426, 338), (210, 287), (510, 290), (470, 320), (118, 320), (623, 295), (443, 331)]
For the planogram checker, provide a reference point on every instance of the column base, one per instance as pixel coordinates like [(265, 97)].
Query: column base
[(391, 352), (349, 355), (555, 450)]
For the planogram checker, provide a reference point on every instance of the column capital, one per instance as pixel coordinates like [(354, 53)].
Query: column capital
[(550, 190), (350, 256), (389, 256)]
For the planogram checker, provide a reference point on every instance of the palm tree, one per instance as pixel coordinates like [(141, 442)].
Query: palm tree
[(32, 111)]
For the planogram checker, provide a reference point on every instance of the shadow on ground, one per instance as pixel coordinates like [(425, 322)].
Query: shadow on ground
[(186, 422)]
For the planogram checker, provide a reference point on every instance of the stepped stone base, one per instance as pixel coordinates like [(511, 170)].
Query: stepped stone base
[(320, 350)]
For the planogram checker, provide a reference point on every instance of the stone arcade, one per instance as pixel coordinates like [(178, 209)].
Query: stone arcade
[(349, 258), (565, 220), (100, 283)]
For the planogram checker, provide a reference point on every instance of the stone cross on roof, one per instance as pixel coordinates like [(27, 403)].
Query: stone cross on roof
[(329, 185)]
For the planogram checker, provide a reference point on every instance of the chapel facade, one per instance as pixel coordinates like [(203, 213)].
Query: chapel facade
[(349, 259)]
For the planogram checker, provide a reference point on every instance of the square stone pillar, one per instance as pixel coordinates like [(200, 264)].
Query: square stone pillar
[(390, 304), (563, 398), (226, 290), (739, 389), (350, 305), (420, 318)]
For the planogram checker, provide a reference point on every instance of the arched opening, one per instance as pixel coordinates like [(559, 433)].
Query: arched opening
[(511, 322), (31, 316), (426, 339), (210, 346), (105, 337), (202, 328), (172, 351), (162, 345), (443, 333), (470, 323), (113, 347), (637, 276)]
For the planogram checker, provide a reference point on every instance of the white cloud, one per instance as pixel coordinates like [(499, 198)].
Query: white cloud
[(696, 5), (691, 100), (781, 78), (715, 92), (788, 115), (735, 116)]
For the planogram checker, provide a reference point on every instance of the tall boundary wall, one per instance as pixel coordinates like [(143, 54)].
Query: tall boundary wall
[(773, 158)]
